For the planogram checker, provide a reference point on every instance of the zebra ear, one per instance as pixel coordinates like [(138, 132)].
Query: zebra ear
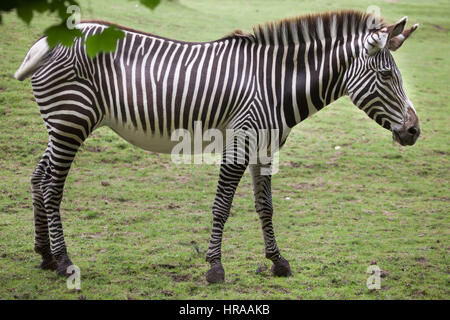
[(376, 41), (397, 28), (397, 41)]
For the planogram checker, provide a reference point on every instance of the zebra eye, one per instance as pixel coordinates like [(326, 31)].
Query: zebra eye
[(386, 73)]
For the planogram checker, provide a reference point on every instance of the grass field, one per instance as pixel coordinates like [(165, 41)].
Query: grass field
[(138, 225)]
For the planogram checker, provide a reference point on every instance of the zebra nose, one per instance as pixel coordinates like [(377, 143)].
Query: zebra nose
[(409, 136), (413, 130)]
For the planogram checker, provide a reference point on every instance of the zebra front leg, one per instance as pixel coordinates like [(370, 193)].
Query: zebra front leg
[(229, 177), (41, 235), (263, 204)]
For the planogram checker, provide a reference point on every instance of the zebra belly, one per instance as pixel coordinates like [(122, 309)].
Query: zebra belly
[(145, 140), (159, 143)]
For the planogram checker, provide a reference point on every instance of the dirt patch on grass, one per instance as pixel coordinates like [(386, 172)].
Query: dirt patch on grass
[(305, 185), (438, 27), (180, 277)]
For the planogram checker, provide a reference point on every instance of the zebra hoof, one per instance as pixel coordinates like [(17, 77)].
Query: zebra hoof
[(216, 274), (48, 264), (48, 260), (281, 268), (63, 263)]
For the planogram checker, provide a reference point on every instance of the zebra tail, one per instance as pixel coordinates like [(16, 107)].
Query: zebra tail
[(33, 60)]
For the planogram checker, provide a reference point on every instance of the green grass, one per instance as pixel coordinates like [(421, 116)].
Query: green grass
[(144, 235)]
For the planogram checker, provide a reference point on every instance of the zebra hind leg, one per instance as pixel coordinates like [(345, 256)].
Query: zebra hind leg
[(263, 204), (61, 157), (41, 234), (65, 139)]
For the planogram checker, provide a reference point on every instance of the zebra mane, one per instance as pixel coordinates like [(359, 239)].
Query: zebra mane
[(297, 30), (307, 28)]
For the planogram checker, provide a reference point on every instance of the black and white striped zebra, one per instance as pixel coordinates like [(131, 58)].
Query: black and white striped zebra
[(150, 86)]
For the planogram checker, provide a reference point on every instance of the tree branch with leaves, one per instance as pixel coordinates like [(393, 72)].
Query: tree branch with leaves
[(60, 33)]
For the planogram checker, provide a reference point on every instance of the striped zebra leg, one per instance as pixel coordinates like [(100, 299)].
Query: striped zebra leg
[(68, 128), (41, 235), (263, 204), (229, 177), (62, 155)]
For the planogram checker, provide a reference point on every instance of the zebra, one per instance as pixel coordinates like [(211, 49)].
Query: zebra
[(272, 78)]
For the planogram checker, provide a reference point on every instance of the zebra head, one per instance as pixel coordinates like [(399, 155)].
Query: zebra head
[(374, 83)]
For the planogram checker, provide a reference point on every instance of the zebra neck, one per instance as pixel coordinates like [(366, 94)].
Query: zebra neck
[(303, 79), (305, 59)]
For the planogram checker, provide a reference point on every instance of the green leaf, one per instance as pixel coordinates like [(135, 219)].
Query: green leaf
[(151, 4), (104, 42), (25, 12), (61, 8), (61, 34), (41, 6), (25, 8)]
